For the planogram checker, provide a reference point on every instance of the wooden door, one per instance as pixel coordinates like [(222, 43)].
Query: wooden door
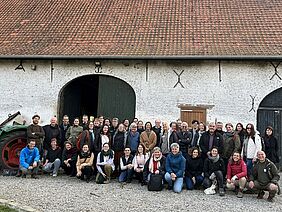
[(188, 114)]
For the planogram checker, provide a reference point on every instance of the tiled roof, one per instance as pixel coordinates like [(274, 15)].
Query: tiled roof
[(140, 27)]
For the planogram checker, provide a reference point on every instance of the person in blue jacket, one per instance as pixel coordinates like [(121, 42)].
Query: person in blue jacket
[(29, 160), (175, 168)]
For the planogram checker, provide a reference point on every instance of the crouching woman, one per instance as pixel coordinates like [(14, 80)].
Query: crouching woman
[(236, 174), (105, 164), (213, 170), (175, 167), (84, 164)]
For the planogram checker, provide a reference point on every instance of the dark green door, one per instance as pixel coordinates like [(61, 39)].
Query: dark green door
[(116, 98)]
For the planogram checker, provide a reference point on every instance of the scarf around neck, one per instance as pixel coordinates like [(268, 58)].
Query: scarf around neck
[(214, 159)]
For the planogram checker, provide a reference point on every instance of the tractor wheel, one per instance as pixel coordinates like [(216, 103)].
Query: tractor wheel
[(10, 147)]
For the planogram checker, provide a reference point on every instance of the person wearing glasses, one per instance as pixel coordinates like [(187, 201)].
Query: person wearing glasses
[(184, 139), (251, 146)]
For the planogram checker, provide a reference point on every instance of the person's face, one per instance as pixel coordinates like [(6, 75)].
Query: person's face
[(211, 128), (195, 153), (53, 144), (236, 157), (157, 153), (35, 120), (158, 123), (68, 146), (201, 127), (96, 123), (126, 122), (66, 120), (175, 150), (229, 128), (53, 121), (214, 152), (121, 127), (249, 129), (219, 126), (76, 122), (106, 147), (133, 129), (85, 148), (91, 126), (239, 127), (140, 125), (127, 152), (107, 122), (105, 129), (135, 120), (261, 156), (184, 127), (140, 149), (268, 132), (179, 122), (195, 125), (115, 123), (85, 119), (173, 126), (148, 127), (31, 144), (101, 119)]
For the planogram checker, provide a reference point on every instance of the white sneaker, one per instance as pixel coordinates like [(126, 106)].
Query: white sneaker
[(54, 175)]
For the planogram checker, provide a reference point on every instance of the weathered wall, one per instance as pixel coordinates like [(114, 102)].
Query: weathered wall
[(37, 91)]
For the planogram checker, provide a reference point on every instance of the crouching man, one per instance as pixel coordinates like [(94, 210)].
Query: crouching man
[(53, 158), (29, 160), (265, 177)]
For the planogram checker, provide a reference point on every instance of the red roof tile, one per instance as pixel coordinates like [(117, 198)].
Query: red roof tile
[(141, 27)]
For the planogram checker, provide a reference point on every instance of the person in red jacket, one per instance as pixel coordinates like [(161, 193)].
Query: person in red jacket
[(236, 174)]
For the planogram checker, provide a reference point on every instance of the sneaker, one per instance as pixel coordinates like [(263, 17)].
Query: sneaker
[(260, 195), (240, 194), (221, 192), (55, 175)]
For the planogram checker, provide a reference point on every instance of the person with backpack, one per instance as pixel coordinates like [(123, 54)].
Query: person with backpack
[(251, 146)]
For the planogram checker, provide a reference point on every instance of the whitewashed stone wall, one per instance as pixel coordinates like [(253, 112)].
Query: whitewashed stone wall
[(37, 91)]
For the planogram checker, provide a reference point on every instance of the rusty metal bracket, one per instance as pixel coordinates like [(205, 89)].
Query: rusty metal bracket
[(179, 80), (253, 103), (275, 70), (20, 67)]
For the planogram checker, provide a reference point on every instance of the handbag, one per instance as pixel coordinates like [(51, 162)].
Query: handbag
[(155, 183)]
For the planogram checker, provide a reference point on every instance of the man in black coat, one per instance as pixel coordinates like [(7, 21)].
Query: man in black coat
[(51, 130), (158, 129), (185, 138), (64, 128), (211, 139)]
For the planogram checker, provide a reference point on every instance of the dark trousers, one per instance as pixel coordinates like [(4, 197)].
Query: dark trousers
[(139, 176), (219, 177), (86, 172), (70, 170)]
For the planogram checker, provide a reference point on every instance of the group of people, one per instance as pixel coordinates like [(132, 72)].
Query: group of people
[(236, 159)]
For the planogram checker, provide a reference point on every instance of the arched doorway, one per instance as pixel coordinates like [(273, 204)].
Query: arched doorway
[(96, 95), (270, 114)]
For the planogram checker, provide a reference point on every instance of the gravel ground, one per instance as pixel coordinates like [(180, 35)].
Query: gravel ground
[(70, 194)]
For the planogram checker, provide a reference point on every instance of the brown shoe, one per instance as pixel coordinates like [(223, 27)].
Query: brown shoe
[(260, 195)]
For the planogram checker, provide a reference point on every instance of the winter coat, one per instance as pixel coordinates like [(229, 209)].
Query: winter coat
[(204, 143), (255, 147), (149, 142), (231, 143), (185, 139), (271, 148), (73, 133), (162, 170), (194, 166), (38, 136), (238, 168), (29, 156), (210, 166), (175, 164), (51, 132)]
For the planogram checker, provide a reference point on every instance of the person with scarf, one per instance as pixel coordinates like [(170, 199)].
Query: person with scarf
[(84, 164), (251, 145), (126, 166), (148, 138), (154, 165), (139, 161), (69, 159), (236, 174), (271, 145), (175, 168), (194, 169), (213, 170), (87, 137), (105, 164), (231, 143)]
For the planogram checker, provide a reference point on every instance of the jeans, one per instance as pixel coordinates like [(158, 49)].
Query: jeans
[(125, 175), (189, 183), (53, 167), (250, 166), (177, 185), (32, 171)]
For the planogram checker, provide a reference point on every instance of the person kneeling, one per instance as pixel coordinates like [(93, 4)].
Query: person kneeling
[(175, 167), (84, 164), (236, 174), (213, 170), (105, 164), (69, 159), (29, 160), (53, 158), (264, 177), (126, 166)]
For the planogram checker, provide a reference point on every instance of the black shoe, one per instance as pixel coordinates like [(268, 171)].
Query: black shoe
[(260, 195), (169, 187), (23, 175), (128, 181), (19, 174), (34, 176), (87, 180)]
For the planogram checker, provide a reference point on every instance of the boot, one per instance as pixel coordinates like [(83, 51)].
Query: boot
[(221, 192), (260, 194), (19, 173), (34, 176), (240, 193), (271, 197)]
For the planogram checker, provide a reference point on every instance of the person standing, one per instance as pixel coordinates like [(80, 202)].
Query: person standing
[(165, 143), (51, 130), (63, 129), (88, 137), (195, 134), (158, 130), (271, 145), (133, 138), (148, 138), (185, 138), (73, 132), (36, 133), (84, 122)]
